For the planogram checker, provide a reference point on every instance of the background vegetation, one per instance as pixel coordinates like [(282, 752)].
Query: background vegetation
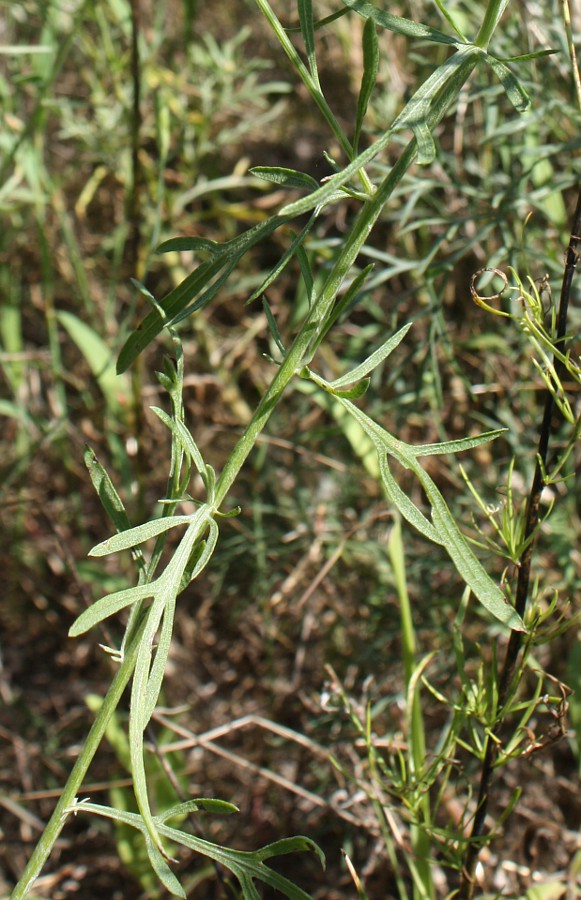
[(286, 679)]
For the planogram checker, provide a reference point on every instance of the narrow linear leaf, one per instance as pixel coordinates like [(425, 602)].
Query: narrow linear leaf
[(176, 301), (512, 86), (374, 360), (162, 870), (471, 570), (402, 502), (137, 535), (110, 499), (370, 69), (457, 446), (407, 27), (289, 178), (306, 272), (272, 326), (284, 260), (305, 9), (191, 243), (423, 135), (199, 804), (108, 606)]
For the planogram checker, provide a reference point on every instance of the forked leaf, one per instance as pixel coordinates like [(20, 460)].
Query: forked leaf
[(443, 529), (289, 178), (407, 27), (370, 69), (245, 866)]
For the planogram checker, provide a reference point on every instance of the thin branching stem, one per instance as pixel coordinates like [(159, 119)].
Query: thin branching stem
[(524, 568)]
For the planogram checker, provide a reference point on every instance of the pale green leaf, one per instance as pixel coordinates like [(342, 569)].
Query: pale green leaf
[(374, 360), (108, 606), (115, 388), (433, 91), (137, 535)]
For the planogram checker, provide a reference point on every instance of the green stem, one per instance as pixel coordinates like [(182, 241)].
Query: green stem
[(56, 822), (297, 355), (492, 16)]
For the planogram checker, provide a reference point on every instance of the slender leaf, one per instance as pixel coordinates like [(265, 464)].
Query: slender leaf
[(174, 303), (284, 260), (108, 606), (137, 535), (406, 27), (289, 178), (246, 866), (374, 360), (305, 8), (370, 69), (512, 86)]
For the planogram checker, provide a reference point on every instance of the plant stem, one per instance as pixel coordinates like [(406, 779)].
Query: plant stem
[(56, 822), (492, 16), (524, 568), (323, 304)]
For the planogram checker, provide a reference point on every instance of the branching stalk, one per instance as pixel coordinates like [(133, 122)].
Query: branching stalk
[(524, 568)]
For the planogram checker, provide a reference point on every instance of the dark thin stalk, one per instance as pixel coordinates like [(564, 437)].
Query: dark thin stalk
[(134, 212), (524, 569)]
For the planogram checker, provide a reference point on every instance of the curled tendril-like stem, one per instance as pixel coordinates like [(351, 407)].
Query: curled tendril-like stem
[(485, 301)]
